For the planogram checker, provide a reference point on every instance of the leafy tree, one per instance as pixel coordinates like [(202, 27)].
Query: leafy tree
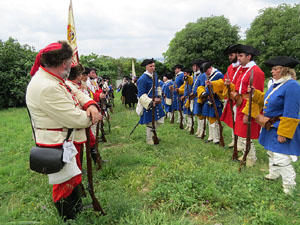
[(207, 38), (275, 32), (16, 61), (105, 65)]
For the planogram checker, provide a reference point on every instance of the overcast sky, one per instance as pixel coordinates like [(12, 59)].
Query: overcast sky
[(129, 28)]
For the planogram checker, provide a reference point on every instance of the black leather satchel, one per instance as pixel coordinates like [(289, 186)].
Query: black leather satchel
[(46, 160)]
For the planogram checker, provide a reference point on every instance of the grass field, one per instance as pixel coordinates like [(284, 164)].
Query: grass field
[(180, 181)]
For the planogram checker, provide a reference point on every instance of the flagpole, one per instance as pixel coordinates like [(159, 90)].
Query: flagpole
[(132, 69)]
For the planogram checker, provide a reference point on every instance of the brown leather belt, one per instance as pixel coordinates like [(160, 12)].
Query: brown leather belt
[(269, 123)]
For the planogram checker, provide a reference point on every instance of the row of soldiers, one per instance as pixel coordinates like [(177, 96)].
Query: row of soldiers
[(189, 95), (271, 116)]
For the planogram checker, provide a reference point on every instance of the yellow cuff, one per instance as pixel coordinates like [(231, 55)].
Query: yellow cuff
[(190, 80), (181, 89), (258, 97), (287, 127), (187, 104), (218, 85), (200, 90), (255, 111)]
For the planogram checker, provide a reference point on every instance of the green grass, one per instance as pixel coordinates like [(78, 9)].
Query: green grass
[(180, 181)]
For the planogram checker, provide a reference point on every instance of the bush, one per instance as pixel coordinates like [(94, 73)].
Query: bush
[(15, 63)]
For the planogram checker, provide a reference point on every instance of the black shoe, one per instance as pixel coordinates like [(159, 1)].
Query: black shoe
[(216, 143), (207, 141)]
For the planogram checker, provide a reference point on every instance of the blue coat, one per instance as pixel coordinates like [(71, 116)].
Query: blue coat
[(187, 91), (144, 84), (283, 102), (208, 109), (167, 94), (200, 81), (178, 82)]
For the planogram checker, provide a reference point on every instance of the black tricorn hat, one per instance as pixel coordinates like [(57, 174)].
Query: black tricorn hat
[(231, 49), (86, 70), (205, 66), (170, 75), (147, 62), (187, 70), (282, 61), (177, 66), (198, 62), (247, 49)]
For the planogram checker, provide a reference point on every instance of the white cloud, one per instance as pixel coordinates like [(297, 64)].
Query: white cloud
[(117, 28)]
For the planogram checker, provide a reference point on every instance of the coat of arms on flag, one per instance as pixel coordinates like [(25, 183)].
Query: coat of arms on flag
[(71, 35)]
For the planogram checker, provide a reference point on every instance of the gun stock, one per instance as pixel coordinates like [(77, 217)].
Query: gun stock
[(155, 138), (235, 151), (222, 143), (96, 205), (192, 116), (204, 129), (173, 110), (181, 116), (248, 139), (98, 160)]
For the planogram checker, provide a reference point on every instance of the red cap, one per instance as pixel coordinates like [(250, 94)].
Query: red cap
[(37, 62)]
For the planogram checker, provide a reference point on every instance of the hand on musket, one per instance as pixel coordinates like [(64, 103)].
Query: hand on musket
[(92, 111), (207, 82), (171, 88), (156, 101), (249, 89), (192, 96), (227, 82), (182, 98)]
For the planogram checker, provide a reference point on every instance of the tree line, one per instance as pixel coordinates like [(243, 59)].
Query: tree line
[(275, 31)]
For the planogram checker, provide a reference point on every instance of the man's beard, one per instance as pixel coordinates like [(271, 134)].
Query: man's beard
[(234, 60), (66, 73)]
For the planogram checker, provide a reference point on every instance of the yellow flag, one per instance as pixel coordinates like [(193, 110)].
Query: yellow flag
[(71, 35), (133, 70)]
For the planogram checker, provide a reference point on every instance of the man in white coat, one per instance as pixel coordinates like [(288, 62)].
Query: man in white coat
[(54, 108)]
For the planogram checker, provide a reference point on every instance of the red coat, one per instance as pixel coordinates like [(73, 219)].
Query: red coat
[(226, 115), (241, 87), (97, 95)]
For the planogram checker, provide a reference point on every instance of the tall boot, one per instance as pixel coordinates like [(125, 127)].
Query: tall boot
[(200, 127), (70, 206), (189, 122), (210, 133), (184, 118), (216, 133), (149, 134)]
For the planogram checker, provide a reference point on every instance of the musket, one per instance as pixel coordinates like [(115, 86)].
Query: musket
[(192, 127), (211, 96), (103, 139), (98, 159), (154, 137), (134, 128), (96, 205), (204, 128), (179, 109), (173, 110), (248, 139), (235, 151)]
